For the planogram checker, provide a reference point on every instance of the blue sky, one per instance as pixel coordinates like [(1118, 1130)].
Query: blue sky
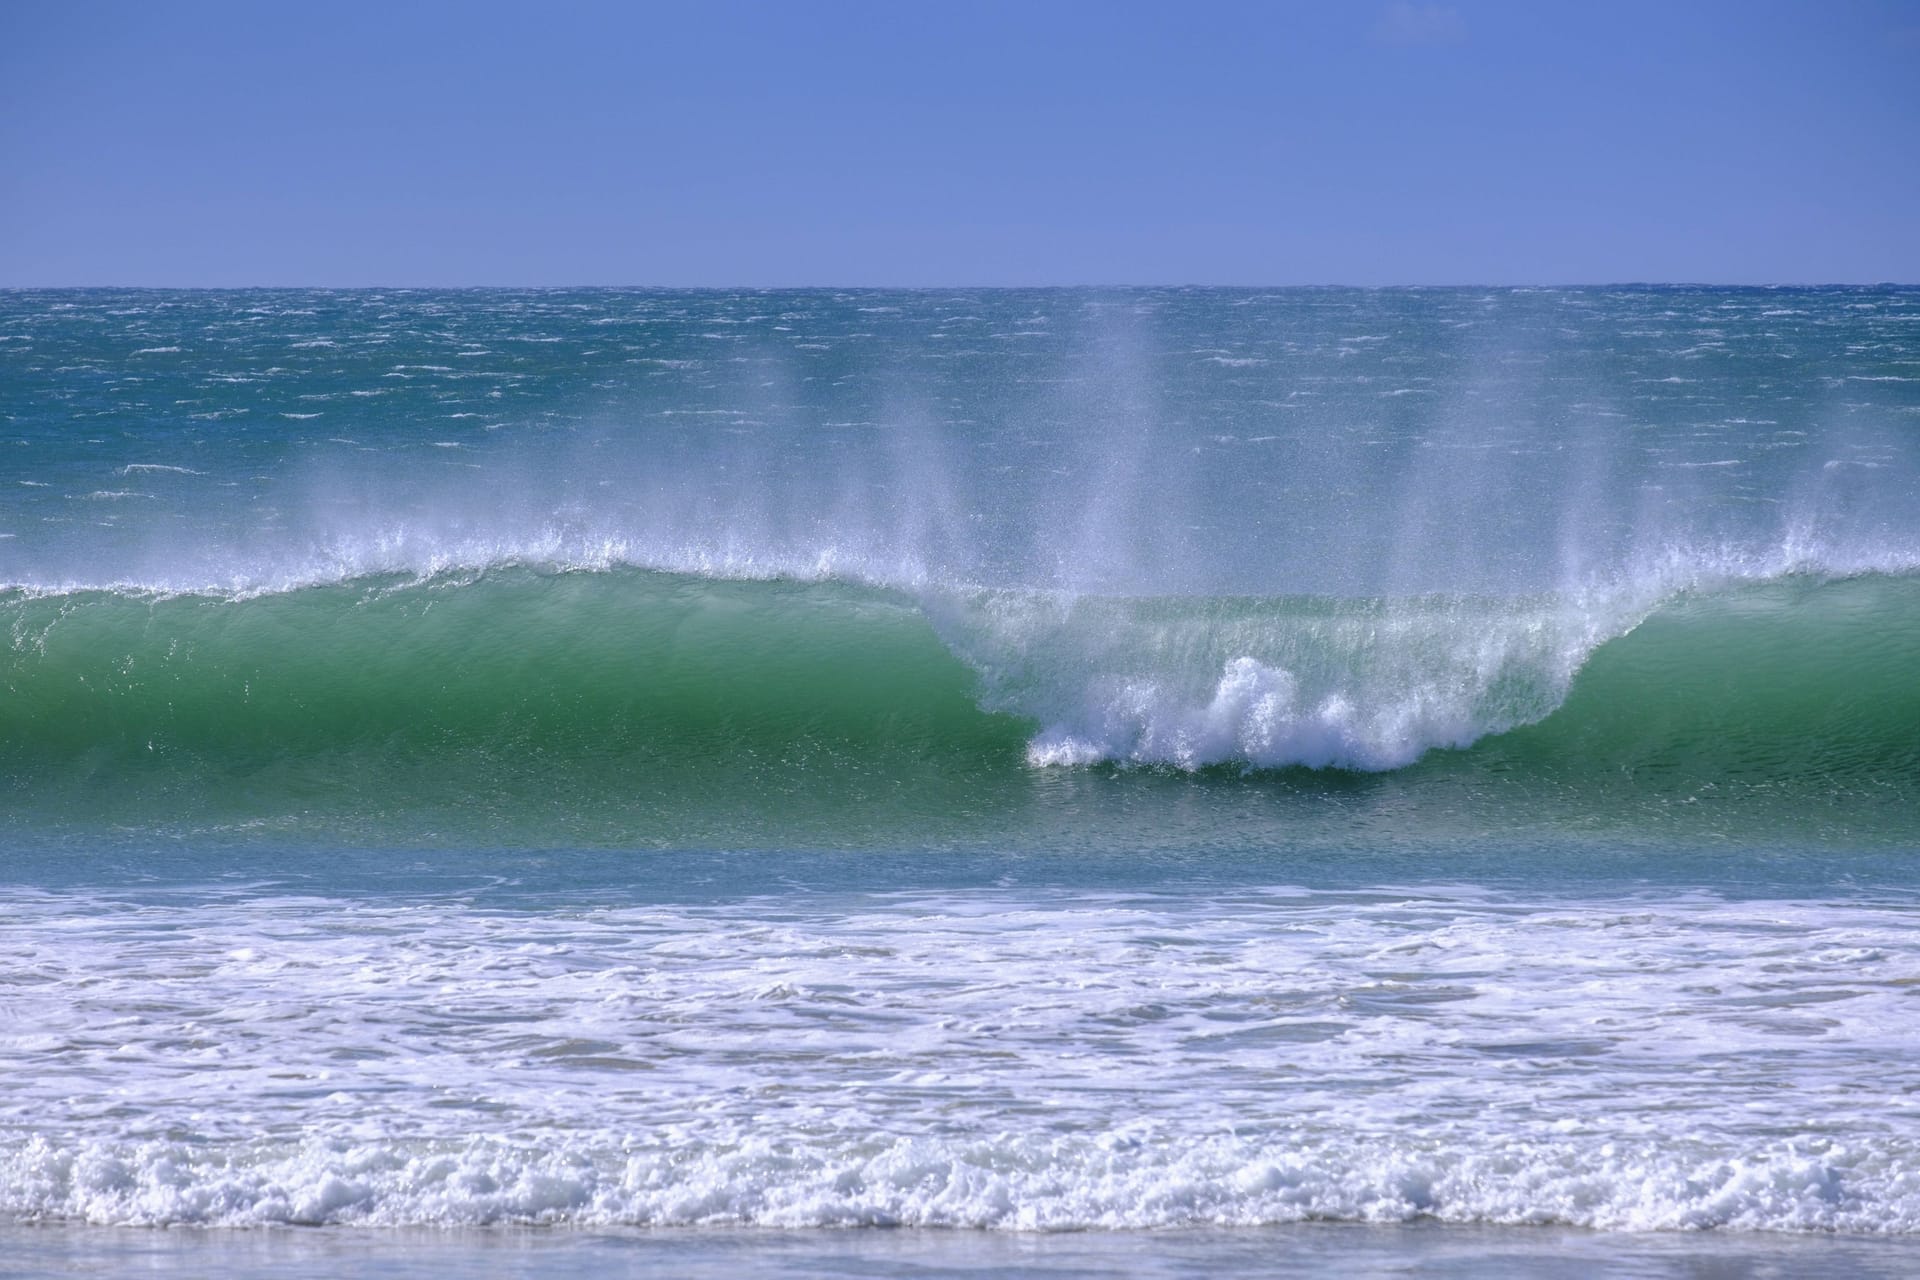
[(905, 143)]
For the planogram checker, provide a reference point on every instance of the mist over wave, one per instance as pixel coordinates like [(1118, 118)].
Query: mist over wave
[(1193, 529), (1140, 443)]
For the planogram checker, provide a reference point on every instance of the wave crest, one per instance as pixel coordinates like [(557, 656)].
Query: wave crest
[(517, 696)]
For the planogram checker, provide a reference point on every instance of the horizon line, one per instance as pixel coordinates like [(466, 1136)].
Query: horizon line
[(934, 287)]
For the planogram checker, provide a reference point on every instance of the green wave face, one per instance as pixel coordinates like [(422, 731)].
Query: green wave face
[(1793, 703), (638, 708), (538, 707)]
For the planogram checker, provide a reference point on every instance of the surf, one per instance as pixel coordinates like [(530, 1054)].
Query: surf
[(632, 704)]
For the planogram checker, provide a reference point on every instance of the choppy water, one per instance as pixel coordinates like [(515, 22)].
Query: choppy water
[(995, 759)]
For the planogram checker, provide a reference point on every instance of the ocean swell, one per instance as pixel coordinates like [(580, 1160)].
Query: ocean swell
[(651, 689)]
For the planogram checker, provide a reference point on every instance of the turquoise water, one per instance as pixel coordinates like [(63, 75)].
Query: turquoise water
[(1188, 760)]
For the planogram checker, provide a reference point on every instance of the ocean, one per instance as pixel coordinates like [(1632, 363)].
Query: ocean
[(957, 782)]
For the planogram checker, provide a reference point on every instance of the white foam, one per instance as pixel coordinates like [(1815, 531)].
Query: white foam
[(1255, 715), (1018, 1183), (980, 1060), (1365, 684)]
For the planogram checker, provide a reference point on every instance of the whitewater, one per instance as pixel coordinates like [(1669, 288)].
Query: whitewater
[(1224, 764)]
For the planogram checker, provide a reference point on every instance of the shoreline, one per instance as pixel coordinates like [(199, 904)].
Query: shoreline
[(1305, 1249)]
